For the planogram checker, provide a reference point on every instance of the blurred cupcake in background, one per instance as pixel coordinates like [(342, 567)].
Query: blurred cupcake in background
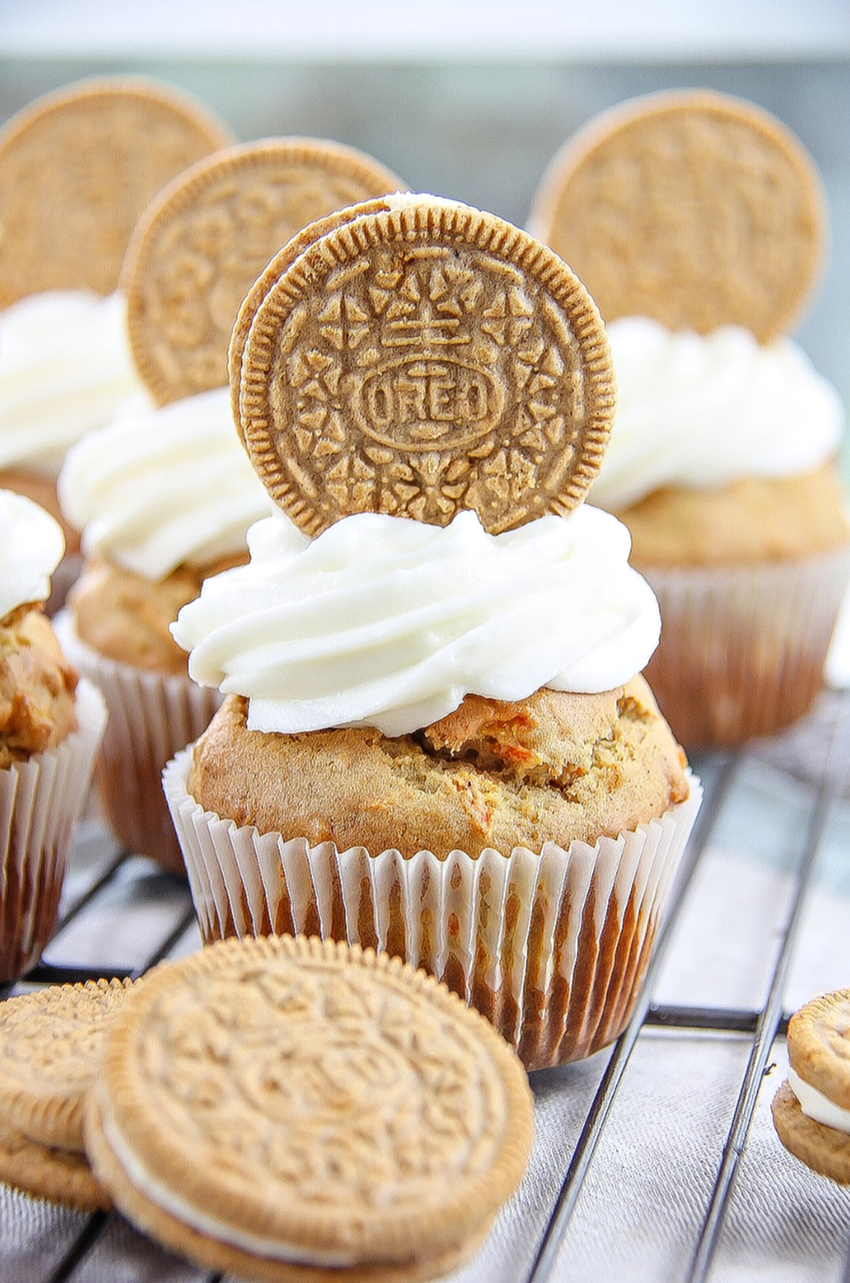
[(722, 465), (697, 222), (77, 168), (165, 496), (50, 728)]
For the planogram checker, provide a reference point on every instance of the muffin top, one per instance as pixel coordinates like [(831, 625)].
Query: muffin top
[(554, 767), (36, 683)]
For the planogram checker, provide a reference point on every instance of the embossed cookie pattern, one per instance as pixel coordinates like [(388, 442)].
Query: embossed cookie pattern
[(422, 362), (208, 238), (308, 1094), (50, 1042)]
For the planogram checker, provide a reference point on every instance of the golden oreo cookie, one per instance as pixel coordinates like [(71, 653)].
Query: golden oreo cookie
[(78, 167), (49, 1051), (693, 208), (423, 360), (275, 1104), (819, 1083), (59, 1175), (207, 237)]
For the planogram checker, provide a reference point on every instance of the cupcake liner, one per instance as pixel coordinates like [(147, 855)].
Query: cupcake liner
[(151, 717), (743, 648), (40, 800), (550, 947)]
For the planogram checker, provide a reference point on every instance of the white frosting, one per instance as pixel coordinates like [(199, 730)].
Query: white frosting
[(387, 622), (170, 1200), (65, 368), (31, 548), (817, 1106), (709, 410), (159, 488)]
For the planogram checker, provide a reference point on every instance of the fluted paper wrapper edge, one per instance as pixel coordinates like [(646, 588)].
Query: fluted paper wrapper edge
[(550, 947), (151, 717), (40, 801), (743, 648)]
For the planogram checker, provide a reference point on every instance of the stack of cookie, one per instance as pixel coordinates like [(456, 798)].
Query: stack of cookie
[(275, 1108), (50, 1044)]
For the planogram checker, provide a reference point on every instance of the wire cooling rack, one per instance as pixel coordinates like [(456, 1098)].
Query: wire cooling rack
[(595, 1180)]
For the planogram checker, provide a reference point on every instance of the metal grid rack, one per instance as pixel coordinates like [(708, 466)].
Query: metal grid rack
[(542, 1256)]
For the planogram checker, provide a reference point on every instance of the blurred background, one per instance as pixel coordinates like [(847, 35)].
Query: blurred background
[(464, 98)]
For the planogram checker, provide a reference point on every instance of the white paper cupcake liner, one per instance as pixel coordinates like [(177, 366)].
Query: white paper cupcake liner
[(550, 947), (151, 717), (40, 800), (743, 648)]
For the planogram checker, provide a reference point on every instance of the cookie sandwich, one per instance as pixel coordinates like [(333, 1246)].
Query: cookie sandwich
[(291, 1110), (78, 168), (811, 1110), (435, 741), (50, 1049), (50, 729), (697, 222), (164, 497)]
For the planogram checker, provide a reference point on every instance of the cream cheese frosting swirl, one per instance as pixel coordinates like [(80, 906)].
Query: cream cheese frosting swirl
[(387, 622), (30, 550), (65, 368), (709, 410), (815, 1105), (157, 489)]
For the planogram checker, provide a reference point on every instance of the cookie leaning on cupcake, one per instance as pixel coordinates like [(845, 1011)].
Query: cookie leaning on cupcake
[(429, 701), (50, 729), (696, 220), (165, 497), (50, 1044)]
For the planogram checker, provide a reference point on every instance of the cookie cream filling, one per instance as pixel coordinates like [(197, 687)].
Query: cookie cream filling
[(164, 1196), (709, 410), (65, 368), (30, 550), (817, 1106), (387, 622), (160, 488)]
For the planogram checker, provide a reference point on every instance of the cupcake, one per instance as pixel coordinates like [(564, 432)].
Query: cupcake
[(50, 727), (696, 221), (165, 497), (723, 466), (435, 741)]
